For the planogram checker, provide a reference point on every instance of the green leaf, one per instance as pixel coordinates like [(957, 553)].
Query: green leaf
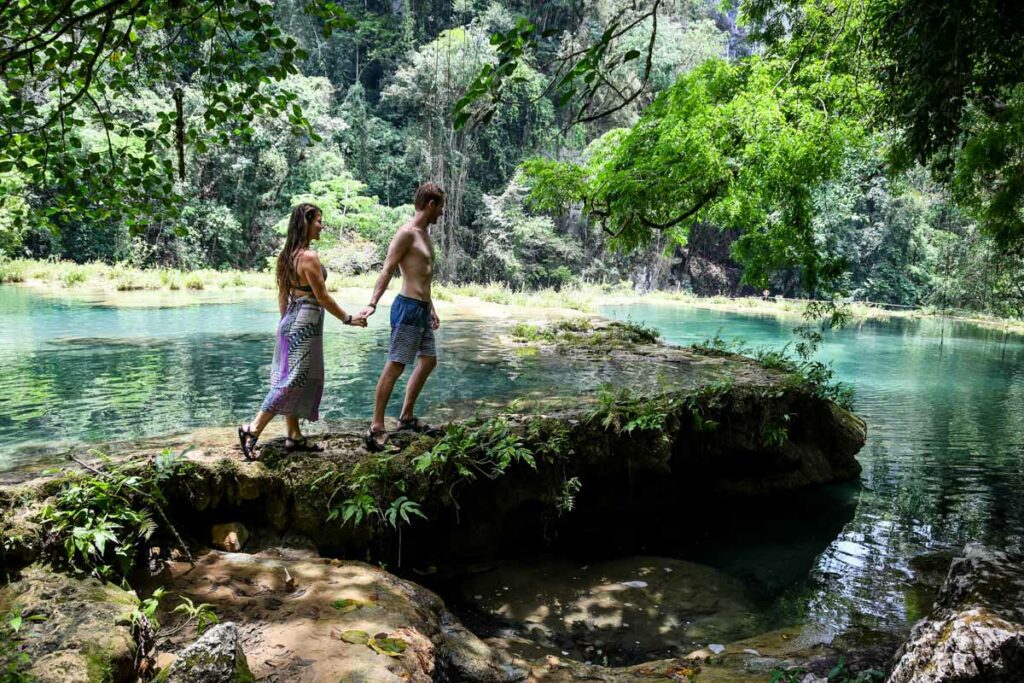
[(346, 605), (356, 637), (392, 647)]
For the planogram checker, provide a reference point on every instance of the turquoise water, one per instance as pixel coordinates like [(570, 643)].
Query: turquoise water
[(72, 372), (944, 459), (944, 462)]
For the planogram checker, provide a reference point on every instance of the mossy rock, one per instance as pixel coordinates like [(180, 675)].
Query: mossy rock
[(81, 627)]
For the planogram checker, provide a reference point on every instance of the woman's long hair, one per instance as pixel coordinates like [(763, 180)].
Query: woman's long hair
[(302, 218)]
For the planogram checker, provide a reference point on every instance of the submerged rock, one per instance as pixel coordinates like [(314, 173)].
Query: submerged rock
[(217, 657), (976, 631), (75, 630), (304, 618), (618, 610)]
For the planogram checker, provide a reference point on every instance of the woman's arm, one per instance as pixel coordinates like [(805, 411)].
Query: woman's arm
[(309, 267)]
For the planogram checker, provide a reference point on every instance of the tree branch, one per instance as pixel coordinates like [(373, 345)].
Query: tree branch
[(689, 213)]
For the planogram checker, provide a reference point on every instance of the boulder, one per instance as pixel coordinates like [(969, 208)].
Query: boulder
[(75, 630), (230, 537), (976, 630), (304, 618), (217, 657)]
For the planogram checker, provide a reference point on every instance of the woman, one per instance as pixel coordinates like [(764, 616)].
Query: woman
[(297, 375)]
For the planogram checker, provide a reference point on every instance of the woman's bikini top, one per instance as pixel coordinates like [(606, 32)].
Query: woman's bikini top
[(309, 288)]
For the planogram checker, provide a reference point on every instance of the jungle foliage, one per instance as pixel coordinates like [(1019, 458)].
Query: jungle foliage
[(804, 146)]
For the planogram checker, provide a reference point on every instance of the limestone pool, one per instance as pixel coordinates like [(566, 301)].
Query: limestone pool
[(944, 403), (944, 459)]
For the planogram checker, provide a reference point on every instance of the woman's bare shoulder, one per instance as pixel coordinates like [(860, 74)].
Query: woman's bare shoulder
[(308, 257)]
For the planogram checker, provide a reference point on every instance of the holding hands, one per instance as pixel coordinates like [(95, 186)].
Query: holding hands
[(358, 320), (368, 311)]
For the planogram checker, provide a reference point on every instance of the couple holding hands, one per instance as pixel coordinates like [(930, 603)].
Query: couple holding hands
[(297, 373)]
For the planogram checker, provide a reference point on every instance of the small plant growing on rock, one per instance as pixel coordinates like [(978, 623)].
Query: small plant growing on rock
[(774, 434), (100, 519), (708, 401), (14, 661), (623, 411), (487, 449), (99, 525), (717, 347), (401, 509), (567, 496), (202, 614)]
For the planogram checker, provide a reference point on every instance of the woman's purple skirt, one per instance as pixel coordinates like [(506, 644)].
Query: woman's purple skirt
[(297, 375)]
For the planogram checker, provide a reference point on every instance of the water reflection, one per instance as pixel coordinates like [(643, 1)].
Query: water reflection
[(944, 462), (72, 372)]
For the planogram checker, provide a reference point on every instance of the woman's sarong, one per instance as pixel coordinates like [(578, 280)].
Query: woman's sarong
[(297, 375)]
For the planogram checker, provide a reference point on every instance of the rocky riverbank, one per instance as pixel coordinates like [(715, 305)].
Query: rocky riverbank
[(716, 432)]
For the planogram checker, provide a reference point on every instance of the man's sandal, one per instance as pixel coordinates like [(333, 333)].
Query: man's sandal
[(247, 440), (302, 444), (372, 444), (414, 424)]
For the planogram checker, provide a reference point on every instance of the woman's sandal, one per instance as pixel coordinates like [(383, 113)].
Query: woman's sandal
[(372, 444), (247, 440), (302, 444)]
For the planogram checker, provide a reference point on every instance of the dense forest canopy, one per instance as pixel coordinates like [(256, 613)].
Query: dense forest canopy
[(871, 147)]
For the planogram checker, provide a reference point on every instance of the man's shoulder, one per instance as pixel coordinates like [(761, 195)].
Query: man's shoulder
[(406, 232)]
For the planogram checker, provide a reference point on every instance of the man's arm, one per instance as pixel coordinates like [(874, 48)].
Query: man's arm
[(399, 246), (435, 322)]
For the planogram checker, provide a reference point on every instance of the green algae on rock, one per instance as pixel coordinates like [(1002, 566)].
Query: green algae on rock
[(286, 604), (83, 632)]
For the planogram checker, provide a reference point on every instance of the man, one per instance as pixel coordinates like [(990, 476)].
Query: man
[(413, 318)]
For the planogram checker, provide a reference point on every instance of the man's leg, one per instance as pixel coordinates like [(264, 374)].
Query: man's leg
[(424, 366), (385, 385)]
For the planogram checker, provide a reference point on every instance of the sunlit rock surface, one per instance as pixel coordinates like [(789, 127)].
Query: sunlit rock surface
[(305, 618), (217, 657), (976, 631)]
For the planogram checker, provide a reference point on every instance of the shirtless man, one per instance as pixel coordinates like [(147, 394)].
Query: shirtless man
[(413, 318)]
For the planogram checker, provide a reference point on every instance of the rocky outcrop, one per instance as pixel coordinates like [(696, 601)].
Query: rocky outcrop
[(715, 429), (682, 438), (75, 630), (217, 657), (306, 618), (976, 631)]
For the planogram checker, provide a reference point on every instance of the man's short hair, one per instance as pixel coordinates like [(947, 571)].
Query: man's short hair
[(426, 193)]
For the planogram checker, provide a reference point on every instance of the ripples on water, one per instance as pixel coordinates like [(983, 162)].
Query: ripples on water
[(944, 460), (71, 372)]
